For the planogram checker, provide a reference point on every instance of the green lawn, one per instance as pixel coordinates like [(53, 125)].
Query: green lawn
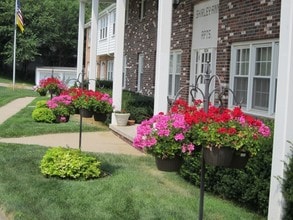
[(133, 189), (7, 94), (18, 125)]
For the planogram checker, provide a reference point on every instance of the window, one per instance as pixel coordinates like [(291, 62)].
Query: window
[(174, 73), (113, 20), (110, 64), (89, 37), (254, 69), (142, 9), (124, 71), (140, 71), (127, 12), (103, 27)]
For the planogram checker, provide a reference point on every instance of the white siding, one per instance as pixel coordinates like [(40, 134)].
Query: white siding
[(107, 45)]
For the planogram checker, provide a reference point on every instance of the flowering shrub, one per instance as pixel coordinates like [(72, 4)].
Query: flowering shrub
[(163, 136), (221, 127), (53, 85), (61, 105), (91, 100)]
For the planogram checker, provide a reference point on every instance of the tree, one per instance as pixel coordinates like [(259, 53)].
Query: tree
[(51, 31)]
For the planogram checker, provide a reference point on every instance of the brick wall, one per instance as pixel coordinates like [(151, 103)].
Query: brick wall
[(141, 37), (241, 21)]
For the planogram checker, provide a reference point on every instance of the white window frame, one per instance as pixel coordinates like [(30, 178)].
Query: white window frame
[(253, 46), (113, 21), (124, 73), (140, 71), (89, 37), (103, 27), (110, 67), (142, 9), (174, 73)]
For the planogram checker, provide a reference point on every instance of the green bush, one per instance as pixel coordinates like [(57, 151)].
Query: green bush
[(107, 84), (69, 163), (287, 188), (41, 104), (248, 187), (43, 115), (140, 107)]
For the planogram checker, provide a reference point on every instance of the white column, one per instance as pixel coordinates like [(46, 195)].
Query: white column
[(93, 51), (80, 38), (163, 56), (118, 55), (284, 109)]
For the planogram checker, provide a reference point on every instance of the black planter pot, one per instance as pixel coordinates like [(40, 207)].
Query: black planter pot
[(62, 119), (225, 157), (239, 160), (100, 116), (85, 113), (169, 165)]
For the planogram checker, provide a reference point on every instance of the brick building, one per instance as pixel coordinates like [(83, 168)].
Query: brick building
[(239, 38)]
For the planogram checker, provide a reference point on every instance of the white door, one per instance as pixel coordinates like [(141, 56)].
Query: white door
[(201, 59)]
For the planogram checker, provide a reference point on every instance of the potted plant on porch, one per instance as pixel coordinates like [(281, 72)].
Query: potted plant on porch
[(164, 137), (121, 117), (228, 136)]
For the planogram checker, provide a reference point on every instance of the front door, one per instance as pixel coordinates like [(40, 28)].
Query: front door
[(201, 59)]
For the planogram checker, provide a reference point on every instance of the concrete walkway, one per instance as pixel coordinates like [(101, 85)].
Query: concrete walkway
[(103, 142)]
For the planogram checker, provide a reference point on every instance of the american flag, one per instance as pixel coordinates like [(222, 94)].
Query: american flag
[(19, 17)]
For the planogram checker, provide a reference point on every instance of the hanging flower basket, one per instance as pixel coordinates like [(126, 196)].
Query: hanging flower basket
[(85, 113), (169, 164), (225, 157), (62, 119), (100, 116)]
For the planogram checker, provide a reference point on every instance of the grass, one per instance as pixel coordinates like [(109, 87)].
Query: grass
[(7, 94), (134, 189), (22, 123)]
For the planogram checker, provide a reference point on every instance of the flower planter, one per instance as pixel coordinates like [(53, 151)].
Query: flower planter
[(239, 160), (122, 118), (100, 116), (225, 157), (221, 157), (169, 165), (62, 119), (85, 113), (43, 93), (131, 122)]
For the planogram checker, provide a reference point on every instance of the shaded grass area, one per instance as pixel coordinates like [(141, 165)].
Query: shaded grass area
[(134, 189), (7, 94), (22, 124)]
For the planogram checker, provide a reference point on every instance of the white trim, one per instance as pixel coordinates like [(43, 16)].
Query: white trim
[(284, 108), (252, 46)]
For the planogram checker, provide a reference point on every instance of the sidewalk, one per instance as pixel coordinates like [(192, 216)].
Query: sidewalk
[(103, 142)]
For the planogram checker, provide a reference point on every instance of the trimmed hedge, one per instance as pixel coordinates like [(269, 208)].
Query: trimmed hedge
[(287, 189), (140, 107), (248, 187)]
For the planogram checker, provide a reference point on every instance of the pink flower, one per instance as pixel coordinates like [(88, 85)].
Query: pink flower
[(179, 137)]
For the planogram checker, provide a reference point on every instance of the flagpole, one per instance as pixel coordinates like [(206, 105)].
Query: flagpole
[(14, 45)]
